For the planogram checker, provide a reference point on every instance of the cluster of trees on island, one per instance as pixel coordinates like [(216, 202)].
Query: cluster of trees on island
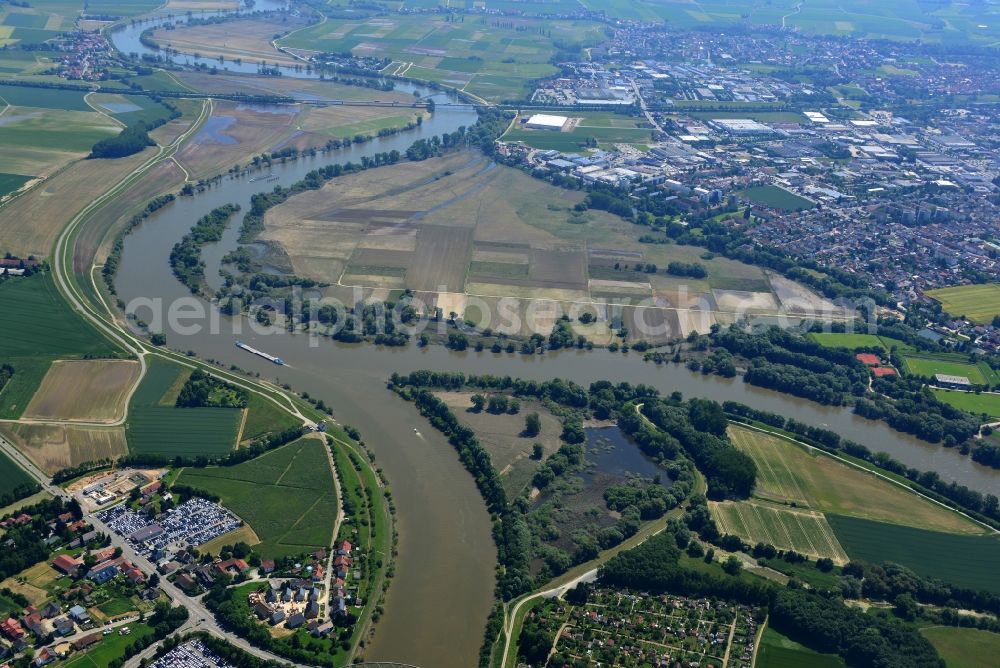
[(185, 258)]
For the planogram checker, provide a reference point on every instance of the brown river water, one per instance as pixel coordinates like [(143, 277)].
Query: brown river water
[(442, 592)]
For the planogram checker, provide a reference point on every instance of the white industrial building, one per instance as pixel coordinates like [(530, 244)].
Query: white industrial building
[(546, 122)]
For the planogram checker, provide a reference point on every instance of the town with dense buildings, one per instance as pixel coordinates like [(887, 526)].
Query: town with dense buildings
[(515, 334)]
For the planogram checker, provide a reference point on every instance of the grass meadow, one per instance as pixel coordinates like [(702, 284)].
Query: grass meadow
[(263, 417), (286, 496), (965, 561), (977, 404), (776, 198), (852, 341), (978, 303), (927, 364), (788, 473), (961, 647)]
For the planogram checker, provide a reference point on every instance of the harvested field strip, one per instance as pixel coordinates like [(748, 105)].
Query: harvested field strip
[(776, 478), (54, 447), (965, 561), (803, 531), (84, 390), (789, 472)]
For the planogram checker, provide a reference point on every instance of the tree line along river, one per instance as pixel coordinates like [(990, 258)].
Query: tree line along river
[(438, 601)]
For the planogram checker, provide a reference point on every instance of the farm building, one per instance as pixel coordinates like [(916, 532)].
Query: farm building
[(944, 380), (546, 122)]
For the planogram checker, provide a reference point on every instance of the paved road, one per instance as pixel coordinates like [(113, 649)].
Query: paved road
[(200, 617)]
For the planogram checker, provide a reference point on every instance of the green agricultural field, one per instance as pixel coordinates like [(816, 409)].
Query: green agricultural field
[(130, 109), (978, 303), (491, 57), (11, 182), (605, 128), (286, 496), (951, 23), (965, 561), (184, 432), (962, 648), (852, 341), (779, 651), (44, 98), (12, 476), (159, 81), (59, 132), (47, 329), (776, 198), (977, 404), (122, 8), (165, 430), (951, 365)]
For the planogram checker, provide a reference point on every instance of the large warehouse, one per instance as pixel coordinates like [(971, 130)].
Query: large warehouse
[(546, 122)]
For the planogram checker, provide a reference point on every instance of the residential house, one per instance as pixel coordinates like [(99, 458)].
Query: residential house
[(80, 614), (86, 641), (11, 628)]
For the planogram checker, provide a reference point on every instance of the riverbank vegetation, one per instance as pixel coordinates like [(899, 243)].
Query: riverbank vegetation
[(568, 488)]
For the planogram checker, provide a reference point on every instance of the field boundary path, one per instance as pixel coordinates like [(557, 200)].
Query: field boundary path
[(62, 265)]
